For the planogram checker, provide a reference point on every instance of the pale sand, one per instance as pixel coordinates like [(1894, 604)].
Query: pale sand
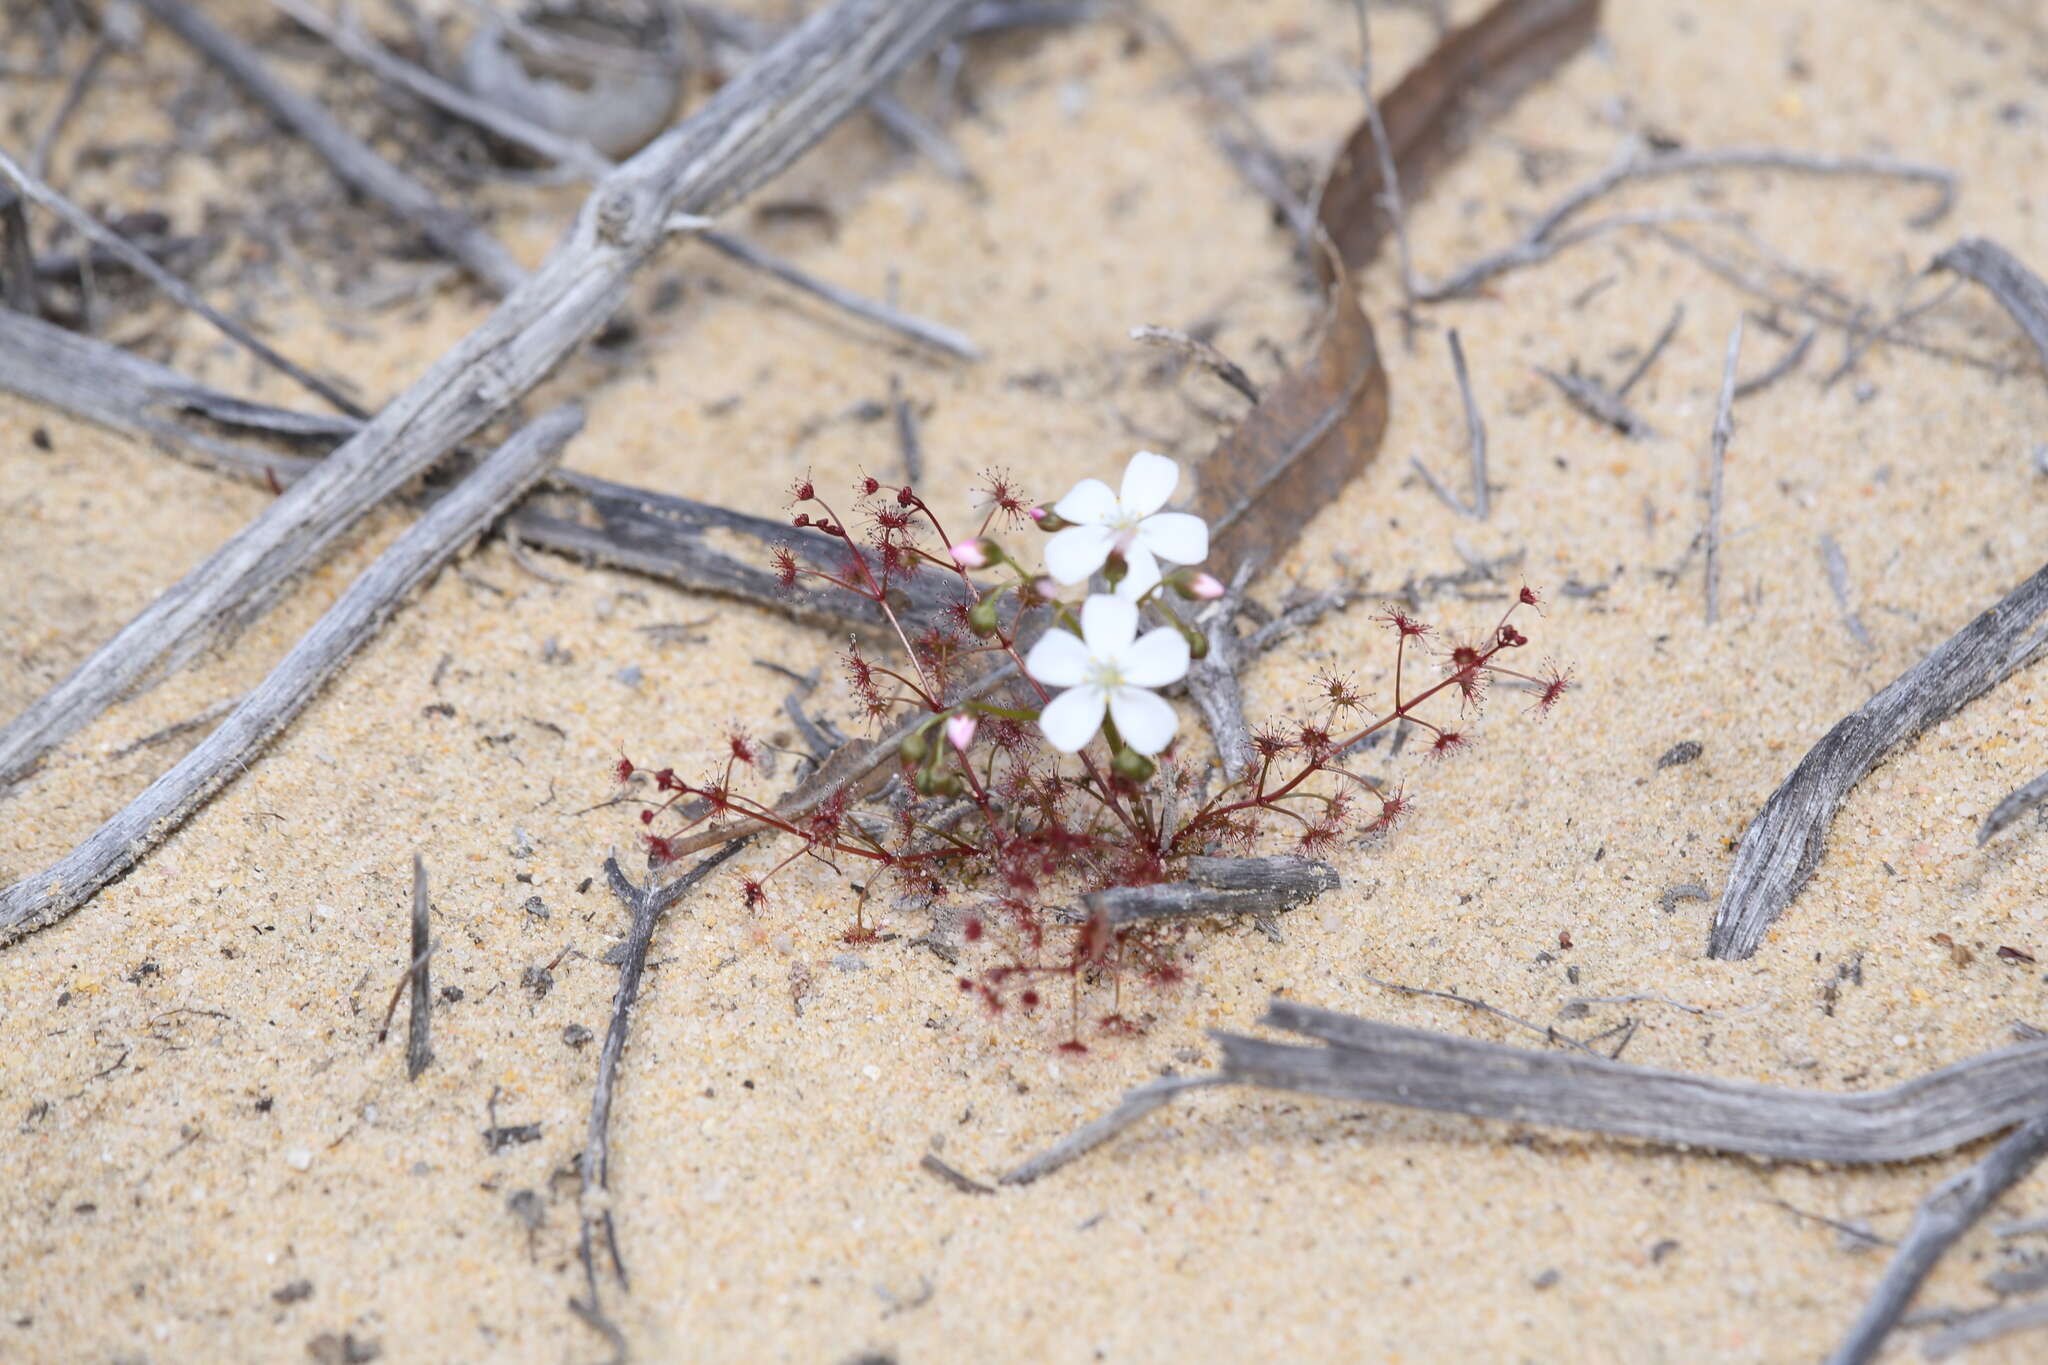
[(769, 1199)]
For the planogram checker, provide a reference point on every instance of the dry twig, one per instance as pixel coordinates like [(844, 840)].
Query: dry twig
[(647, 904), (1633, 163), (1944, 1215), (1717, 459), (1202, 353), (1366, 1060), (1220, 887), (2018, 289), (1475, 435), (1783, 843), (418, 1050), (135, 258), (2017, 803), (454, 232), (43, 898), (1977, 1328), (581, 159), (745, 133)]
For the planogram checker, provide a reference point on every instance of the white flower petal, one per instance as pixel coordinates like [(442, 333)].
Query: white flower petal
[(1108, 624), (1059, 659), (1071, 555), (1071, 719), (1144, 719), (1090, 502), (1149, 480), (1143, 575), (1159, 657), (1175, 537)]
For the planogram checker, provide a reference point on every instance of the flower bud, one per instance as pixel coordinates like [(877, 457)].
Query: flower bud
[(1047, 519), (977, 552), (1196, 586), (960, 731), (1132, 766), (932, 782), (916, 746), (981, 617)]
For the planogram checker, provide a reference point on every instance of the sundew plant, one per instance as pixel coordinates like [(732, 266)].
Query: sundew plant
[(1039, 758)]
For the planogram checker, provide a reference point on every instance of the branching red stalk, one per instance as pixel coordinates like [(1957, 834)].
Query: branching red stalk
[(1033, 836)]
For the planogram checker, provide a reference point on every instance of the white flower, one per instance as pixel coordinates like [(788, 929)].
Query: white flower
[(1130, 524), (1108, 668)]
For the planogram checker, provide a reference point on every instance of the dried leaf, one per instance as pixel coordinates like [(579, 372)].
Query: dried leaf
[(1319, 427), (1293, 454), (1473, 74)]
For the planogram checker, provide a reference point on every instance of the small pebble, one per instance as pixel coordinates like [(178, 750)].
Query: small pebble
[(850, 962), (299, 1159), (536, 907), (630, 675)]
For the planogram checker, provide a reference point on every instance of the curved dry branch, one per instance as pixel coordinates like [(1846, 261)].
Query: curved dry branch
[(1945, 1214), (1783, 843), (1366, 1060), (2015, 287)]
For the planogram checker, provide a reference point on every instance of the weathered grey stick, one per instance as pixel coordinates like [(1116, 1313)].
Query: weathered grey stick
[(1780, 367), (454, 232), (581, 159), (1633, 163), (647, 904), (578, 515), (749, 130), (1642, 367), (17, 256), (1212, 679), (1135, 1105), (1944, 1215), (668, 537), (936, 335), (1989, 1325), (1783, 843), (1717, 461), (135, 258), (2016, 804), (1364, 1059), (1475, 436), (102, 383), (1219, 886), (420, 1021), (1202, 353), (42, 899), (1596, 402), (2017, 288), (1837, 566)]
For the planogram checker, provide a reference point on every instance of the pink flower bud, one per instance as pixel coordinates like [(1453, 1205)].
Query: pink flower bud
[(960, 731), (971, 554), (1205, 587), (1036, 514)]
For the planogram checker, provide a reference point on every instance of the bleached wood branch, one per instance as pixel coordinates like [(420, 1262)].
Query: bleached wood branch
[(40, 900), (754, 126)]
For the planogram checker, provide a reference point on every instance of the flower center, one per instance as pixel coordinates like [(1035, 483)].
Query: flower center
[(1105, 674)]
